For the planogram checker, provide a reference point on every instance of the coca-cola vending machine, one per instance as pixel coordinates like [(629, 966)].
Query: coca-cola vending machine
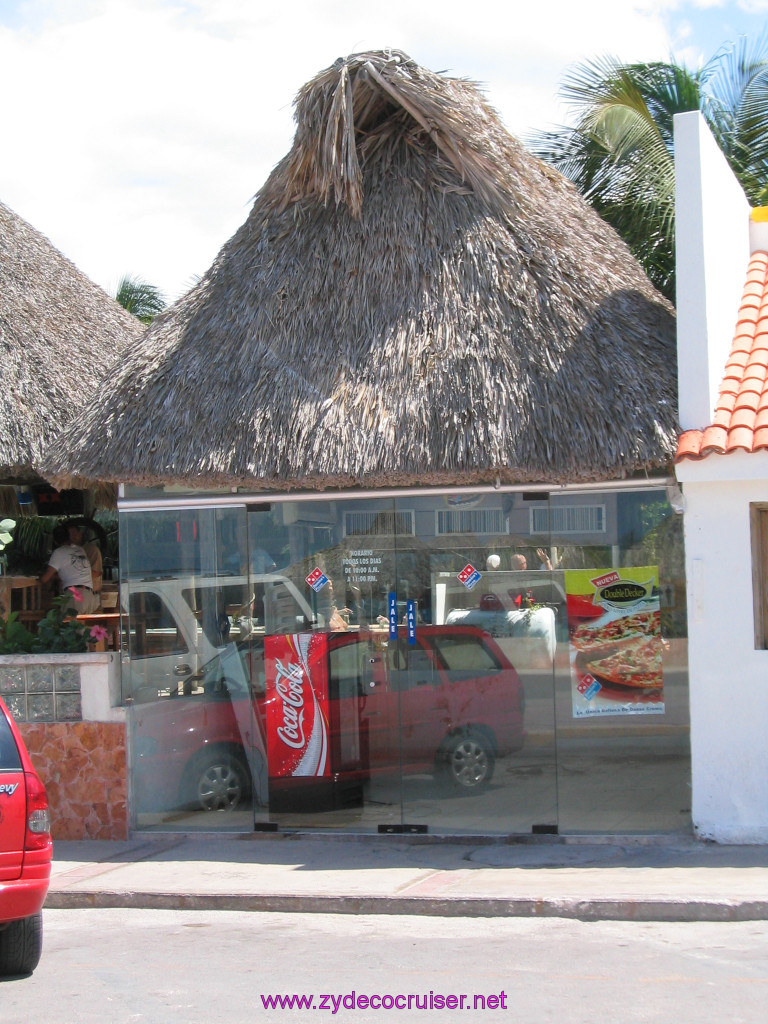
[(316, 746), (317, 737), (297, 705)]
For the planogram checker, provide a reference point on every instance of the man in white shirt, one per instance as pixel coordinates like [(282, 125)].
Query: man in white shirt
[(92, 553), (70, 564)]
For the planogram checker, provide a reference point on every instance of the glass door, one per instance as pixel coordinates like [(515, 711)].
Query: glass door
[(476, 674), (322, 574), (196, 746), (622, 681)]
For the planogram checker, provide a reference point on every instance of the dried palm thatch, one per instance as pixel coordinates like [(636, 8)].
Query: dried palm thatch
[(413, 299), (59, 333)]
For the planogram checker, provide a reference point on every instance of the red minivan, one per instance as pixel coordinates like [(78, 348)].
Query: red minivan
[(450, 704), (26, 850)]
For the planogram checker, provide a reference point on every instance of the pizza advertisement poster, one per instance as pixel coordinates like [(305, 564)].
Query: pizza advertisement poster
[(614, 640)]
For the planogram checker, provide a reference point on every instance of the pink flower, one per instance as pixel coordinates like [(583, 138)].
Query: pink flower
[(77, 596), (98, 633)]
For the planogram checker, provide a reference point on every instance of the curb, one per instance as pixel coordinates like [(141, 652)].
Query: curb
[(668, 910)]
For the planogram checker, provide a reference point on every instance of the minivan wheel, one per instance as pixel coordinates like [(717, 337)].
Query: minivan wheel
[(21, 943), (218, 781), (467, 761)]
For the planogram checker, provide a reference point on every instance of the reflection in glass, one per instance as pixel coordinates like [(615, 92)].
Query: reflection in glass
[(626, 769), (197, 752), (266, 686)]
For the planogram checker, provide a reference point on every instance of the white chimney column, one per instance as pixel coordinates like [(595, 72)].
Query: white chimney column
[(712, 241), (758, 229)]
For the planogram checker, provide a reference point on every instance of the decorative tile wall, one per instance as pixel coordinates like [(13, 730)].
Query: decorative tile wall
[(84, 769)]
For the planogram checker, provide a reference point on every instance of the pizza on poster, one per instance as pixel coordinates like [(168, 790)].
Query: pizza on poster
[(615, 642)]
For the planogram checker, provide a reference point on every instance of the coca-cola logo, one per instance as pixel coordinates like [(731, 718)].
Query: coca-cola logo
[(289, 684)]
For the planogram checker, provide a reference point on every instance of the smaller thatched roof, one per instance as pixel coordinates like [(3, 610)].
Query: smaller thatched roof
[(59, 334), (414, 299)]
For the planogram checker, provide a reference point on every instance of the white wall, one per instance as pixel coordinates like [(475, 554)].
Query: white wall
[(712, 240), (728, 677), (100, 694)]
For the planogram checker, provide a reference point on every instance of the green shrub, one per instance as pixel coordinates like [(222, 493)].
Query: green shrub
[(15, 638), (58, 633)]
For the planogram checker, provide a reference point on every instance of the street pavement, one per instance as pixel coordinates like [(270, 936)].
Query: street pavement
[(642, 878)]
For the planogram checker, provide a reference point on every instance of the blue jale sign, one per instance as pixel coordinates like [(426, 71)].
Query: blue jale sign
[(410, 618), (393, 616)]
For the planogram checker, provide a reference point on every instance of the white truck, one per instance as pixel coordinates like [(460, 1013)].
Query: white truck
[(525, 611), (177, 625)]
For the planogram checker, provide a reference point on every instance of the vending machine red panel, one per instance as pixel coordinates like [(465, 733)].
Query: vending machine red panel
[(297, 705)]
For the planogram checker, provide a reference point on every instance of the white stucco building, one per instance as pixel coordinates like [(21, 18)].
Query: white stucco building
[(722, 467)]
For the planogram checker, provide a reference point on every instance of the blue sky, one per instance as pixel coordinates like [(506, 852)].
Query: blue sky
[(704, 27), (136, 132)]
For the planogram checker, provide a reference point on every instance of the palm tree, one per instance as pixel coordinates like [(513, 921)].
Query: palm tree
[(144, 300), (620, 153)]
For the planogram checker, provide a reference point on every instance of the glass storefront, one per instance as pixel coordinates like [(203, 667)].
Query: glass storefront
[(503, 662)]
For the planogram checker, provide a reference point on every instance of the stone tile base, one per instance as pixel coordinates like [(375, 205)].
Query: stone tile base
[(83, 767)]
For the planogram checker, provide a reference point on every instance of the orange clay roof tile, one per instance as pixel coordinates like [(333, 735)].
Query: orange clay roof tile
[(740, 419), (743, 343), (689, 444), (748, 314), (754, 383), (746, 402), (736, 363), (741, 357), (740, 439), (726, 403), (713, 439), (743, 418), (753, 375), (751, 388)]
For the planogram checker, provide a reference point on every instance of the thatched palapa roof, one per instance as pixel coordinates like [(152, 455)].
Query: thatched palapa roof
[(413, 299), (59, 333)]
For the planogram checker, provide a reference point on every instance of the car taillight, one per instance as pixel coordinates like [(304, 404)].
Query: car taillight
[(38, 831)]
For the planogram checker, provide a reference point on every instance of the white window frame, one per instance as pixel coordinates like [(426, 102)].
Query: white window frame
[(467, 515), (399, 516), (758, 522), (551, 513)]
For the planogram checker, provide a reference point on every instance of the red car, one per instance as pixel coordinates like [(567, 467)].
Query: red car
[(449, 704), (26, 850)]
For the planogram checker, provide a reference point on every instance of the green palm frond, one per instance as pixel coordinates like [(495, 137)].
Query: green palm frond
[(144, 300), (619, 152), (737, 112)]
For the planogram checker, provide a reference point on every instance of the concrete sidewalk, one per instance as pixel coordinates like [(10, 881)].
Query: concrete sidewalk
[(630, 878)]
